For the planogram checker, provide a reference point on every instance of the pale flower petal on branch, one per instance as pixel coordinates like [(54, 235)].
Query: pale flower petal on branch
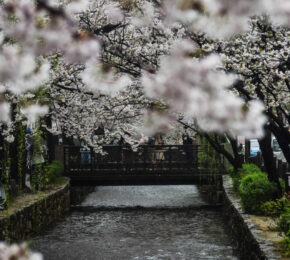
[(224, 18), (33, 112), (218, 19), (113, 12), (103, 80), (15, 251), (77, 6), (42, 31), (19, 71), (157, 122), (82, 50), (4, 112), (279, 11), (144, 15), (197, 88), (10, 138)]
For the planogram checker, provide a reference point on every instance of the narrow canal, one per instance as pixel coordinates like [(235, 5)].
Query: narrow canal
[(139, 222)]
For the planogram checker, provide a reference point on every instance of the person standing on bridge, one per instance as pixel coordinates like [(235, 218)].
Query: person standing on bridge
[(188, 145), (159, 152), (127, 153)]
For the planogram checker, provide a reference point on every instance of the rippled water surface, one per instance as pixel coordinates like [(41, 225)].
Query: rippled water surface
[(139, 233)]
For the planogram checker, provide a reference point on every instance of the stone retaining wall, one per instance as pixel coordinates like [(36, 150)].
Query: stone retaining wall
[(79, 193), (35, 213), (251, 244)]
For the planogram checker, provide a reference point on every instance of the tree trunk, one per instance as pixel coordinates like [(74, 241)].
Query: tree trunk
[(2, 156), (247, 150), (237, 157), (282, 136), (235, 162), (50, 140), (268, 156), (13, 149)]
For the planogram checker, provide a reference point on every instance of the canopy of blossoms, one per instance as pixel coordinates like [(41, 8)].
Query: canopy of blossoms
[(134, 67)]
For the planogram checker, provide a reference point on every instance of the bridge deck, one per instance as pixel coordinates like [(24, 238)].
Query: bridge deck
[(166, 164)]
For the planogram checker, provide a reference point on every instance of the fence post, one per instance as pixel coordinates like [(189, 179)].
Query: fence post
[(287, 181), (64, 158), (279, 168), (258, 160), (275, 162), (91, 159), (198, 150), (247, 151), (223, 160), (145, 156), (283, 168), (170, 159)]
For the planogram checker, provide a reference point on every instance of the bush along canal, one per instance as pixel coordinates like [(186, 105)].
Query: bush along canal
[(139, 222)]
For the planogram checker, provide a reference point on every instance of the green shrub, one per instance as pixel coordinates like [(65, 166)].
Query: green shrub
[(284, 227), (231, 171), (237, 175), (285, 246), (249, 168), (284, 222), (274, 208), (255, 189), (53, 172), (236, 183), (283, 185), (206, 160)]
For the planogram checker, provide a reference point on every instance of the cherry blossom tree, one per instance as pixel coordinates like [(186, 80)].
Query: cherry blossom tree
[(261, 60), (101, 41), (136, 67), (79, 112)]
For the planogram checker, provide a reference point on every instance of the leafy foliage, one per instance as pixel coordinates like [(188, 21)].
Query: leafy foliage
[(285, 246), (20, 153), (284, 227), (284, 223), (255, 189), (248, 168), (208, 158), (274, 208), (53, 172)]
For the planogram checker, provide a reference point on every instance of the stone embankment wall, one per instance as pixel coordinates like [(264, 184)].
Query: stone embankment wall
[(79, 193), (251, 243), (33, 214)]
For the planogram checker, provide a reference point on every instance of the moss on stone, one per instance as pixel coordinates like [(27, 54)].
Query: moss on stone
[(30, 213)]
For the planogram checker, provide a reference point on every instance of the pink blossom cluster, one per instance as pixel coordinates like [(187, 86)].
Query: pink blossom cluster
[(17, 252)]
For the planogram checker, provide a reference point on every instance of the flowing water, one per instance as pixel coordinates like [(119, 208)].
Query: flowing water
[(139, 222)]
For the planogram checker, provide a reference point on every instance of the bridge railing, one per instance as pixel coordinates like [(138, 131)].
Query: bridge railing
[(161, 159)]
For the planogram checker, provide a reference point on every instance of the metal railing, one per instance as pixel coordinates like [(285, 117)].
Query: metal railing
[(154, 159)]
